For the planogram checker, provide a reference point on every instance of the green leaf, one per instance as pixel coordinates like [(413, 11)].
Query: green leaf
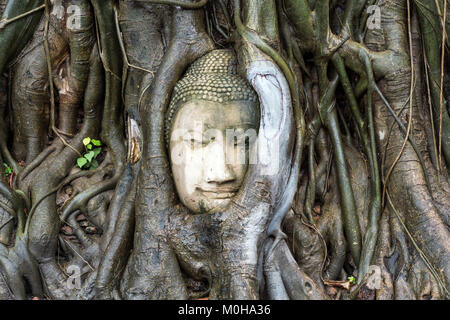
[(97, 152), (8, 169), (89, 146), (89, 155), (86, 141), (94, 165), (96, 143), (81, 162)]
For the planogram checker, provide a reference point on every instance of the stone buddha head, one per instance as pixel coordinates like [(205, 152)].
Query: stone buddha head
[(211, 126)]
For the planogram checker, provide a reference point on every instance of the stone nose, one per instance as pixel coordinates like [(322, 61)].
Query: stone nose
[(218, 171)]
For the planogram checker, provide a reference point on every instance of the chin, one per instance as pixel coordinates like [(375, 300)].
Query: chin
[(214, 206)]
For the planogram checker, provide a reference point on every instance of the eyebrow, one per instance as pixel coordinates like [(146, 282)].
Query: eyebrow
[(209, 127), (246, 124)]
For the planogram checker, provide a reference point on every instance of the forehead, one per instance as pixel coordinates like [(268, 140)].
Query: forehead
[(215, 115)]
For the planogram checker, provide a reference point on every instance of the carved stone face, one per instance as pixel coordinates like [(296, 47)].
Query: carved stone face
[(209, 151)]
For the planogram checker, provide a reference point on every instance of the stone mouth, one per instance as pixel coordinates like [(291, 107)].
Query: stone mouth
[(219, 194)]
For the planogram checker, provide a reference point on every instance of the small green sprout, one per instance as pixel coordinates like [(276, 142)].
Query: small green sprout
[(8, 169), (352, 279), (88, 160)]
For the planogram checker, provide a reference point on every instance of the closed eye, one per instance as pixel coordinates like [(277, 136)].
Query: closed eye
[(239, 141), (193, 141)]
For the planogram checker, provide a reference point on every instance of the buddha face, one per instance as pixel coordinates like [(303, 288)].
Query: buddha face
[(210, 148)]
